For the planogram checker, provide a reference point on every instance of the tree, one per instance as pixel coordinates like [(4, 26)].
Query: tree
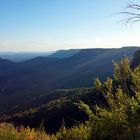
[(122, 73), (132, 13)]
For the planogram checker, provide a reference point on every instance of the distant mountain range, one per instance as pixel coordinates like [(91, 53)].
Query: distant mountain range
[(24, 56), (64, 53), (22, 82)]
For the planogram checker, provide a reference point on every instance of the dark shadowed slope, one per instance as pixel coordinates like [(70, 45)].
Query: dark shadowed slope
[(136, 58), (57, 107)]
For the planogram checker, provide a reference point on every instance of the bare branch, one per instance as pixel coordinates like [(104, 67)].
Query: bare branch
[(134, 6), (132, 15)]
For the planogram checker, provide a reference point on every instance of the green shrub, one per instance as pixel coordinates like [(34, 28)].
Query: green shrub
[(81, 132)]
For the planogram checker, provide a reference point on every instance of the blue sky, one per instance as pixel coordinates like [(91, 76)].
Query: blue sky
[(46, 25)]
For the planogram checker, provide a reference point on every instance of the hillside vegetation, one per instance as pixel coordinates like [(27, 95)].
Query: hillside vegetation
[(118, 119)]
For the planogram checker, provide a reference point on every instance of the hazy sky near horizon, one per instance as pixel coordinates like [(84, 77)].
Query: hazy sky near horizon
[(46, 25)]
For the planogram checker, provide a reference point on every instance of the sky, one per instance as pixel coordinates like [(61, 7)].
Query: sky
[(48, 25)]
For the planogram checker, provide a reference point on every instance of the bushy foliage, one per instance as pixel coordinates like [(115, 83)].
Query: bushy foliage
[(122, 120), (80, 132), (9, 132)]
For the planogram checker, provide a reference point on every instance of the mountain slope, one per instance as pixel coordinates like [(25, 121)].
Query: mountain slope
[(30, 79)]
